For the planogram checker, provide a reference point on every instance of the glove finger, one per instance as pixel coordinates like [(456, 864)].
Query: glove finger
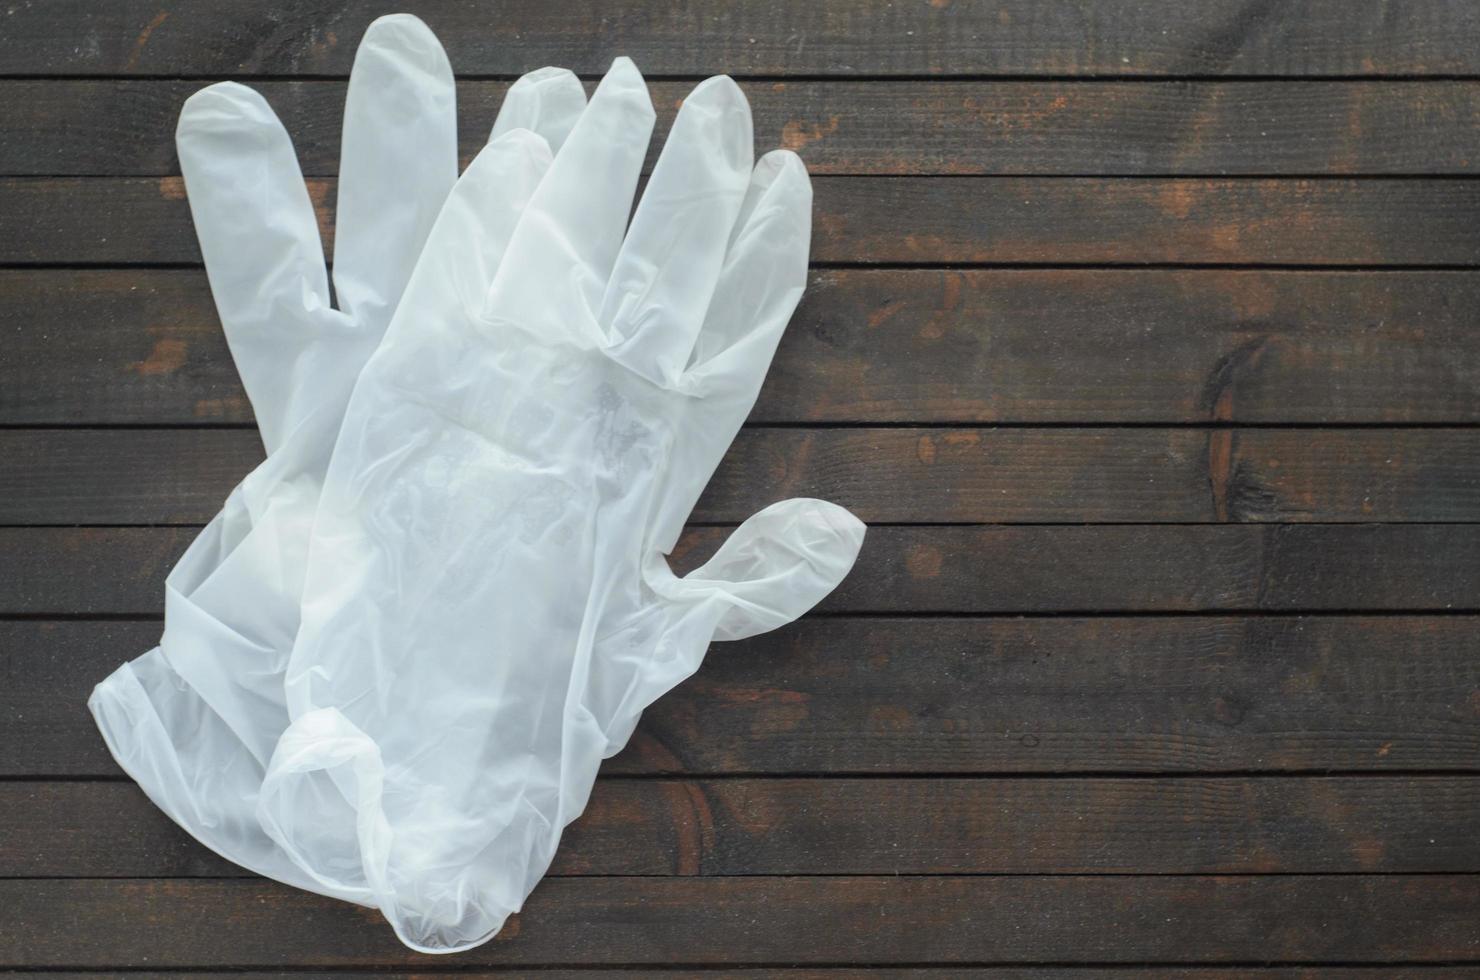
[(564, 247), (472, 234), (259, 237), (777, 565), (398, 161), (671, 259), (537, 116), (762, 281), (547, 101)]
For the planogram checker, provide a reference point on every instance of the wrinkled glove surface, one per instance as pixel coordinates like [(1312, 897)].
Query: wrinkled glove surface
[(487, 608), (195, 720), (392, 666)]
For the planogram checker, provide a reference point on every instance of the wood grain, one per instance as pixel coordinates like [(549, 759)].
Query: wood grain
[(997, 220), (866, 826), (963, 475), (126, 128), (884, 695), (1014, 569), (1004, 37), (923, 346), (754, 921), (1147, 332), (846, 973)]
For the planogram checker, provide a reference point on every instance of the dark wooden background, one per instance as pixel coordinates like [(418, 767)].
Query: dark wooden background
[(1146, 335)]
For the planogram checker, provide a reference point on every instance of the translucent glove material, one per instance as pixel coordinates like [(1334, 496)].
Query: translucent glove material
[(487, 608), (195, 720)]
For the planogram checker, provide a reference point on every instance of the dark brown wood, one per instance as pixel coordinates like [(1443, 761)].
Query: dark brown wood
[(923, 346), (873, 920), (1022, 569), (899, 219), (1005, 37), (867, 826), (846, 973), (859, 973), (126, 128), (1145, 633), (951, 695), (965, 475)]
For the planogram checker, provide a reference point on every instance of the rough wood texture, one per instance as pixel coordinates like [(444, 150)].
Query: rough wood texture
[(917, 345), (1003, 37), (867, 826), (1012, 220), (957, 695), (1024, 569), (966, 475), (57, 128), (1203, 601), (873, 920), (846, 973)]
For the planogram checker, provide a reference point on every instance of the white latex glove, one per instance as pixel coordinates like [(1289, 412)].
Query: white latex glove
[(488, 608), (194, 721)]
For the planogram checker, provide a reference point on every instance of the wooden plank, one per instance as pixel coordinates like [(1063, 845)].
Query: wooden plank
[(1005, 37), (756, 921), (904, 475), (844, 973), (1015, 569), (946, 695), (923, 346), (867, 826), (126, 128), (985, 220)]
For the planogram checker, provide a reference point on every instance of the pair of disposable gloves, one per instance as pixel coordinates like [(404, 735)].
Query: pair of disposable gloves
[(393, 662)]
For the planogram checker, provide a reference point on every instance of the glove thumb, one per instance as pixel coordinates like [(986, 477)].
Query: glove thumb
[(778, 564)]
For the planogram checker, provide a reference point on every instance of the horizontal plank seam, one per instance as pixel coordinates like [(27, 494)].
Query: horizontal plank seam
[(1163, 176), (937, 266), (833, 425), (1203, 612), (847, 874), (1208, 612), (1080, 775), (1096, 426), (781, 967), (842, 77), (1005, 175), (957, 525), (1211, 176), (892, 876)]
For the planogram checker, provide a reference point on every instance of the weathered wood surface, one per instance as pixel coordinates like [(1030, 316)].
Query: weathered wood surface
[(889, 475), (918, 345), (780, 920), (1114, 568), (117, 128), (1145, 632), (856, 37), (846, 973), (867, 826), (874, 220), (875, 695)]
